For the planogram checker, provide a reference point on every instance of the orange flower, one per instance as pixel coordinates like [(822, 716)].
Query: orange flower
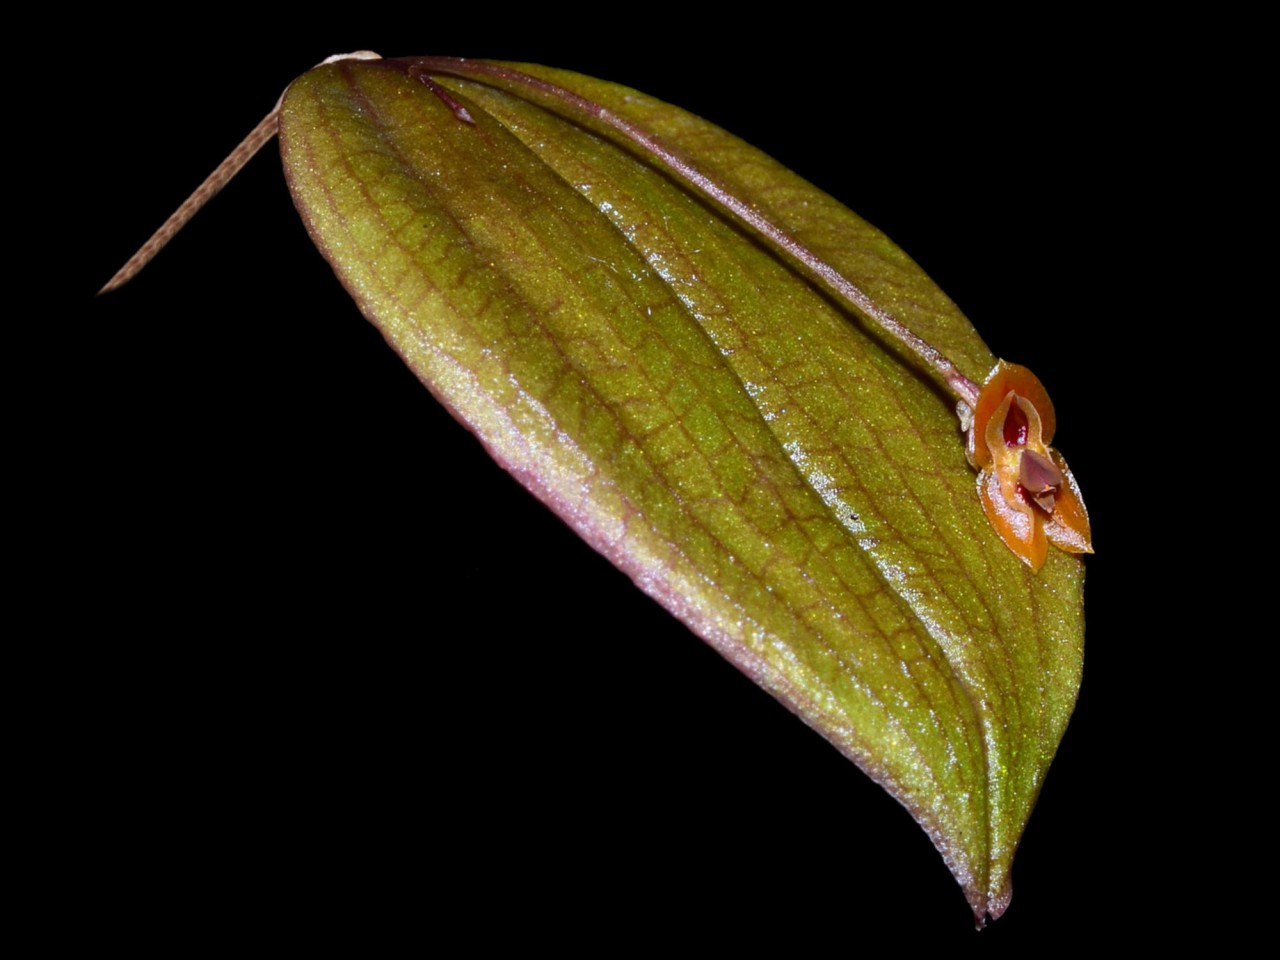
[(1026, 489)]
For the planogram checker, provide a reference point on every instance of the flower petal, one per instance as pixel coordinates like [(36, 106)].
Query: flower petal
[(1068, 527), (1017, 522)]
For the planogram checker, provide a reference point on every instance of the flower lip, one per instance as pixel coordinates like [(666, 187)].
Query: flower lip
[(1039, 478)]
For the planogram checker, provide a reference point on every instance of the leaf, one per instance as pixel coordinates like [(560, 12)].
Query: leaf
[(752, 455)]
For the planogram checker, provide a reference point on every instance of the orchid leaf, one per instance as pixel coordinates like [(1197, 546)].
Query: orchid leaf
[(752, 452)]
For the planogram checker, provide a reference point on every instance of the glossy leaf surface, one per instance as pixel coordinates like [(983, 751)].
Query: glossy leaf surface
[(751, 454)]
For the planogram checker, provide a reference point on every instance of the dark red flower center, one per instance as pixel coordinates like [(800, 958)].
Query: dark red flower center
[(1015, 426)]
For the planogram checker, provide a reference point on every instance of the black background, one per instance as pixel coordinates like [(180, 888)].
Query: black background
[(308, 699)]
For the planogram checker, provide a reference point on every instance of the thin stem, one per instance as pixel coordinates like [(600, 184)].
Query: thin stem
[(221, 176), (445, 96), (683, 168), (835, 282)]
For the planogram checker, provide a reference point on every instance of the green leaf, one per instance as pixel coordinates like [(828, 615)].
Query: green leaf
[(756, 457)]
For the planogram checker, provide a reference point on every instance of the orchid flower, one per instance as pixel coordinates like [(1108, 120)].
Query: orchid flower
[(1025, 486)]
